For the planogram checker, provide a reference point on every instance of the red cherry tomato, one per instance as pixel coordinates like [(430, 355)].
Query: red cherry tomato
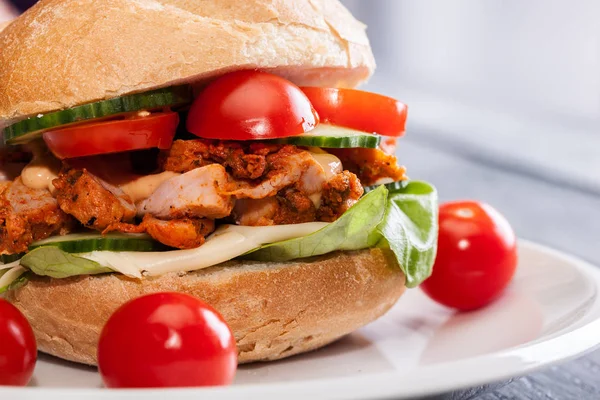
[(364, 111), (166, 340), (18, 351), (246, 105), (156, 130), (476, 258)]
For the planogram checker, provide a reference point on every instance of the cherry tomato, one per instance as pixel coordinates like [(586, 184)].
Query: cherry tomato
[(476, 258), (364, 111), (166, 340), (18, 350), (246, 105), (155, 130)]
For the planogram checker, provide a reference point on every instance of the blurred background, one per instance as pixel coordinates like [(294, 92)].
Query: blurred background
[(504, 104), (515, 81)]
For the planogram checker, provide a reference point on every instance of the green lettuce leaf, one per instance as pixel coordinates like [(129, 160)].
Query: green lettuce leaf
[(404, 220), (410, 228), (55, 263)]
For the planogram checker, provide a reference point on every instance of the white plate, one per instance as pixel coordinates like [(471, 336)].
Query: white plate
[(550, 313)]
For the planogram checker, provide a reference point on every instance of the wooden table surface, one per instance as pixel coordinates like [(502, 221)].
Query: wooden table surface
[(551, 213)]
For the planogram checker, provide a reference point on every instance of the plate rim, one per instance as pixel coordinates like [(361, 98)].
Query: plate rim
[(581, 338)]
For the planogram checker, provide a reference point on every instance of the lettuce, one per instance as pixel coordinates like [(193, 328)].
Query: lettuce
[(410, 227), (55, 263), (403, 220)]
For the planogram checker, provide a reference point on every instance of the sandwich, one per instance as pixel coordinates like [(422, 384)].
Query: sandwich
[(217, 148)]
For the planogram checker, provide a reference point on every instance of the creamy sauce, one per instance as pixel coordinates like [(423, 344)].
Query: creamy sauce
[(331, 166), (141, 187), (330, 163), (42, 169), (39, 176)]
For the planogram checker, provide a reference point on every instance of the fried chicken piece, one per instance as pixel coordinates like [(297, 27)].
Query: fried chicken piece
[(279, 184), (242, 161), (255, 212), (194, 194), (292, 191), (370, 165), (242, 165), (290, 206), (186, 155), (286, 167), (27, 215), (181, 233), (184, 233), (259, 169), (295, 207), (339, 194), (92, 201)]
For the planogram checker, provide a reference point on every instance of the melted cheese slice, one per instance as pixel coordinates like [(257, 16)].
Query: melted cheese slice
[(11, 275), (226, 243)]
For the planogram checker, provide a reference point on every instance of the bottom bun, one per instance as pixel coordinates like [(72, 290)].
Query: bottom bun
[(275, 310)]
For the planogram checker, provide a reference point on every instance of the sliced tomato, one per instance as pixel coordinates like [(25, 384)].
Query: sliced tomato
[(364, 111), (249, 105), (155, 130)]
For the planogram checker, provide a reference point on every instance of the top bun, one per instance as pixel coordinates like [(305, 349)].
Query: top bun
[(62, 53)]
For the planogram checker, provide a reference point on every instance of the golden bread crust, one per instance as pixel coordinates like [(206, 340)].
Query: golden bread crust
[(63, 53)]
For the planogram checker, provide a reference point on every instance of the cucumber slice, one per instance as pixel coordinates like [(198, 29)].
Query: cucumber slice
[(86, 242), (8, 258), (392, 186), (329, 136), (32, 127)]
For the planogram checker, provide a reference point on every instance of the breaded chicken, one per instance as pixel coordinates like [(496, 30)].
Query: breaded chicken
[(371, 165), (241, 161), (339, 194), (27, 215), (195, 194), (288, 166), (293, 206), (184, 233), (92, 201), (290, 206)]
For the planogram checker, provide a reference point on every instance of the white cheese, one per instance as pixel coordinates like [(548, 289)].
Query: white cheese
[(226, 243), (11, 275), (9, 265)]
